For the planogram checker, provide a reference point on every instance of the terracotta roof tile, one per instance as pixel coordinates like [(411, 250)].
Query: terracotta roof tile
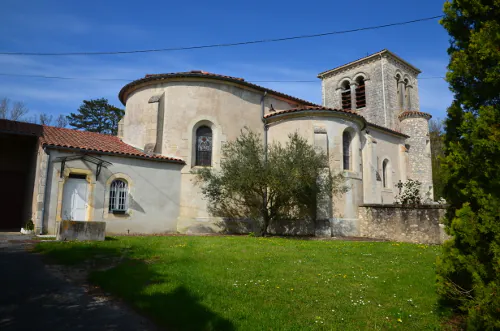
[(311, 108), (95, 142), (414, 113), (21, 127), (203, 74)]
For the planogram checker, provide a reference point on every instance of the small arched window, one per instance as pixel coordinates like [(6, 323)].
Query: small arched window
[(407, 95), (118, 196), (346, 149), (385, 175), (346, 95), (360, 93), (203, 146), (400, 91)]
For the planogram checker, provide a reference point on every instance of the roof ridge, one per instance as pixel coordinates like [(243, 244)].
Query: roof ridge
[(204, 74)]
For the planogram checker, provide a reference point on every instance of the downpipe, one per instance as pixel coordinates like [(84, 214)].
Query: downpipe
[(262, 105), (42, 217)]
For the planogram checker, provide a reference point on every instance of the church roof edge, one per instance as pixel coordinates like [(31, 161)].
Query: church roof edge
[(369, 57)]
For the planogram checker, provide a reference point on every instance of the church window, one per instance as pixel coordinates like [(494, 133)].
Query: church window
[(400, 91), (346, 149), (118, 196), (360, 93), (385, 175), (203, 146), (407, 95), (346, 95)]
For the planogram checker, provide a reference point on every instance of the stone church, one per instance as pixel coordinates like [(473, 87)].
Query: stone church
[(369, 124)]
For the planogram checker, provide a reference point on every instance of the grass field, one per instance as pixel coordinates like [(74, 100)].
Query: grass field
[(245, 283)]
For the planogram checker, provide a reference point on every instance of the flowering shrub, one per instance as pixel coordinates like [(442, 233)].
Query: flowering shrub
[(409, 193)]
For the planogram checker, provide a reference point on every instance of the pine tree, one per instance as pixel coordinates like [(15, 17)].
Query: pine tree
[(97, 116), (469, 268)]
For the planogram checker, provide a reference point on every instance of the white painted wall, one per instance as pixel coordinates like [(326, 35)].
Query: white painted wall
[(153, 201)]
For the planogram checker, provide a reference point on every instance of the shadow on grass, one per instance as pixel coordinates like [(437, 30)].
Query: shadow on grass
[(146, 290)]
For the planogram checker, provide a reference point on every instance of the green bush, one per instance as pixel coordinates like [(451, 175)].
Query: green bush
[(469, 268), (29, 226)]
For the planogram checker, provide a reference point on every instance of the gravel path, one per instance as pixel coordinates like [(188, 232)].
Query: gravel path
[(35, 297)]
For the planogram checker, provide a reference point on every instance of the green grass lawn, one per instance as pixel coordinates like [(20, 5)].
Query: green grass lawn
[(245, 283)]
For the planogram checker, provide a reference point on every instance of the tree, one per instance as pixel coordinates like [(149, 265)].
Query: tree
[(15, 112), (469, 268), (292, 184), (436, 133), (97, 116), (46, 119)]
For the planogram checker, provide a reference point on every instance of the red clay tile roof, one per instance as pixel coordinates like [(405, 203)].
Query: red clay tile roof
[(95, 142), (20, 127), (203, 74), (312, 108), (413, 113), (383, 128)]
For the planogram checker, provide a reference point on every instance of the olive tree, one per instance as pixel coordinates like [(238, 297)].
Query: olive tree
[(289, 182)]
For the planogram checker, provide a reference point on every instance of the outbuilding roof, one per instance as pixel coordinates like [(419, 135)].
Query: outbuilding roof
[(203, 74), (95, 142)]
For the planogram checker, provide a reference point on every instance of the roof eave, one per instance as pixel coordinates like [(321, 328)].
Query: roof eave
[(52, 146), (307, 112), (153, 79)]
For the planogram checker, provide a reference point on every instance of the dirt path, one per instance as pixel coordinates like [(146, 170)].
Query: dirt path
[(35, 296)]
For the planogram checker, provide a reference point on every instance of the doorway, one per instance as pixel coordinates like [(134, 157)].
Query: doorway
[(75, 198)]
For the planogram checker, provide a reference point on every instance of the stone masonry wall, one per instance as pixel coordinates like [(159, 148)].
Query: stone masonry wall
[(376, 87), (419, 153), (407, 224)]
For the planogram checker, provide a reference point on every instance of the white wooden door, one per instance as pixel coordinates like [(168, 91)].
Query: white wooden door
[(75, 200)]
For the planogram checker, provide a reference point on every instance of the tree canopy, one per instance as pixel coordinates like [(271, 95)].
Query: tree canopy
[(97, 115), (469, 269), (294, 183)]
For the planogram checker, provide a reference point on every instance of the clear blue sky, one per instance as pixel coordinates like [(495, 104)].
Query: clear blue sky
[(72, 26)]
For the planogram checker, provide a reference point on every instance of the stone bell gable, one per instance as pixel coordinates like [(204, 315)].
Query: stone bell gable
[(379, 87)]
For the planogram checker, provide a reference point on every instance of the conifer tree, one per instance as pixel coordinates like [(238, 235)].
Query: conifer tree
[(469, 268), (97, 116)]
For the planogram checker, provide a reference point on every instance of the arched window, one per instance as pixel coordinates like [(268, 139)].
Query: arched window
[(407, 95), (346, 149), (400, 91), (360, 93), (118, 196), (203, 146), (385, 175), (346, 95)]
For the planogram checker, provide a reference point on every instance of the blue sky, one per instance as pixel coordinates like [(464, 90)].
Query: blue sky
[(71, 26)]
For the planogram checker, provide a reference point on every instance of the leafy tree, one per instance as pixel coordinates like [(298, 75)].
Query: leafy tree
[(97, 116), (289, 185), (15, 112), (436, 133), (469, 268)]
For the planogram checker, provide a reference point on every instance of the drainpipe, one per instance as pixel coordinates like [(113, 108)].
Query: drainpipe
[(265, 124), (383, 89), (264, 199), (45, 190)]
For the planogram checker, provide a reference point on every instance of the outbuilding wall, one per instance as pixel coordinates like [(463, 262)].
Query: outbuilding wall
[(154, 193)]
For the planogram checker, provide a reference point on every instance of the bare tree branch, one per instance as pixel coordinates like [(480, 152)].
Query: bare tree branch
[(4, 108), (17, 111)]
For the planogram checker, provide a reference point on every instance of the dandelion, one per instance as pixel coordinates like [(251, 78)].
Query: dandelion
[(400, 320)]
